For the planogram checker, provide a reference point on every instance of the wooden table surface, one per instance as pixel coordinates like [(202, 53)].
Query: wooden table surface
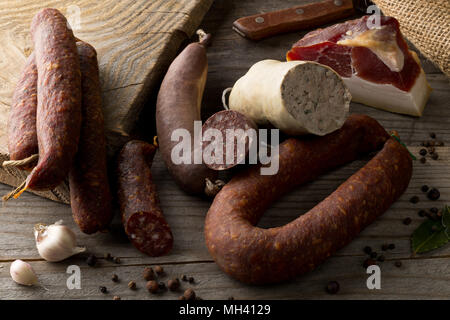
[(419, 277)]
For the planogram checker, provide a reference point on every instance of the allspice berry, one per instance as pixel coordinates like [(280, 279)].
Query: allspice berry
[(152, 286), (173, 284), (132, 285), (148, 274), (189, 294), (159, 270)]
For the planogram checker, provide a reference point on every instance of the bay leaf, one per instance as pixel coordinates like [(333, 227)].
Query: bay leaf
[(425, 239)]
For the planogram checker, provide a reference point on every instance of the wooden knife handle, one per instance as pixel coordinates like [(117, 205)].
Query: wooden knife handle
[(307, 16)]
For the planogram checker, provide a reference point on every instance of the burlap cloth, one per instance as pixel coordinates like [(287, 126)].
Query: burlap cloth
[(426, 23)]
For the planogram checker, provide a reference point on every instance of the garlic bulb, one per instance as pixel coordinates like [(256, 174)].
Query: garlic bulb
[(55, 242), (22, 273)]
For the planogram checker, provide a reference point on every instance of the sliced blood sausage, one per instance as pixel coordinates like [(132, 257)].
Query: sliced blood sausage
[(233, 137), (142, 216), (177, 108), (255, 255), (90, 196), (58, 118), (22, 139)]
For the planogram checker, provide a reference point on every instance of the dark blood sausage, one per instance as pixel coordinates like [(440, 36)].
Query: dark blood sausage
[(90, 196), (142, 217), (255, 255), (178, 106), (22, 139), (58, 118), (233, 127)]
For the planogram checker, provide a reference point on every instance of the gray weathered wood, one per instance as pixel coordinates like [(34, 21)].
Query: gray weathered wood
[(422, 276)]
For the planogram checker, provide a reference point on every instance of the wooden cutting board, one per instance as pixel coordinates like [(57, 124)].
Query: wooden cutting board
[(135, 40)]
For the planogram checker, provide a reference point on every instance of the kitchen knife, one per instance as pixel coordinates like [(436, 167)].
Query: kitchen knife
[(302, 17)]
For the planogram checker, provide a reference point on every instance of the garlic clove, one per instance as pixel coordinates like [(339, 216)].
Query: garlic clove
[(56, 242), (22, 273)]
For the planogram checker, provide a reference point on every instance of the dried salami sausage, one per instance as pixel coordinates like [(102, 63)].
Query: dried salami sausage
[(22, 139), (58, 117), (235, 136), (90, 197), (142, 216)]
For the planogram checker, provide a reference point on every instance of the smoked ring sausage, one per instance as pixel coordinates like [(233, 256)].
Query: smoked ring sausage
[(256, 255)]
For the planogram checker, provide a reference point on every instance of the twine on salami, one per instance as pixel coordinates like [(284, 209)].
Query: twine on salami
[(224, 98), (213, 188), (19, 163), (394, 134), (16, 192)]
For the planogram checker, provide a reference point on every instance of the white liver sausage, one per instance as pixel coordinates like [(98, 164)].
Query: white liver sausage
[(297, 97)]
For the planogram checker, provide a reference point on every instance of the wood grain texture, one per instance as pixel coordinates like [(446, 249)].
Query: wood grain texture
[(135, 42), (230, 56)]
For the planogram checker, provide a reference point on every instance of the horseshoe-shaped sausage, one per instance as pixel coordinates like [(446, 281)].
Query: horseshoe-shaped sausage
[(255, 255)]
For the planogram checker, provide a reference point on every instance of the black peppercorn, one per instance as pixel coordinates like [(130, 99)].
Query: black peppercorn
[(391, 246), (107, 256), (103, 289), (433, 194), (423, 160), (162, 286), (191, 280), (414, 199), (422, 213), (368, 250), (407, 221), (423, 152), (332, 287), (184, 278), (173, 284), (373, 255), (435, 156), (116, 260), (114, 278), (424, 188), (434, 210), (152, 286), (91, 260), (432, 135), (398, 264)]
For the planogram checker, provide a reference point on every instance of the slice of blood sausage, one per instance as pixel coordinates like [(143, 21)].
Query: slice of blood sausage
[(255, 255), (90, 197), (177, 108), (22, 139), (233, 131), (58, 118), (142, 216)]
